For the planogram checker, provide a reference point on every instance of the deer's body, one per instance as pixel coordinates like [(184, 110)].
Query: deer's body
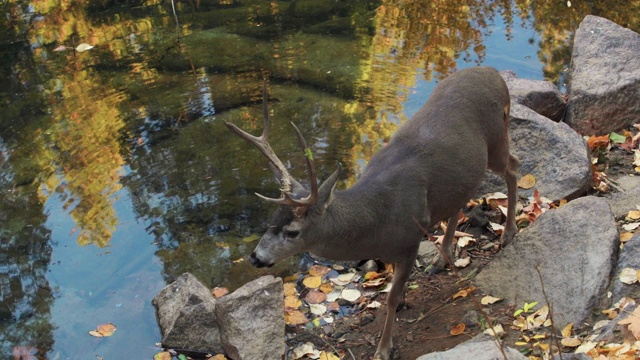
[(432, 166)]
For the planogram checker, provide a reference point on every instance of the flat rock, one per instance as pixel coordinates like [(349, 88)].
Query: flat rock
[(185, 310), (622, 202), (251, 320), (552, 152), (629, 258), (605, 77), (540, 96), (574, 248), (477, 350)]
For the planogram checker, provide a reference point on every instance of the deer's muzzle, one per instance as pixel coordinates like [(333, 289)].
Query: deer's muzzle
[(255, 261)]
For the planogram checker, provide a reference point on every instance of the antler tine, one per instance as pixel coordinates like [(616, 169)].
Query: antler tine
[(262, 143), (313, 179)]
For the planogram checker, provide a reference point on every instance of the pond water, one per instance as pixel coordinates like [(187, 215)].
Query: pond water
[(117, 175)]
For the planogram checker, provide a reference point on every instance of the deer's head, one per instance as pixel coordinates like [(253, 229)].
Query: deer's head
[(300, 209)]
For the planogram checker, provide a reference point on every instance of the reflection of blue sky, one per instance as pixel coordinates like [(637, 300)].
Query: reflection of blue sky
[(517, 55), (94, 286)]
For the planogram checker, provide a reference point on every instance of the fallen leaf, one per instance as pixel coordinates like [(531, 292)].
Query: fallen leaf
[(328, 356), (631, 227), (629, 276), (633, 322), (318, 270), (586, 346), (566, 331), (220, 291), (374, 283), (165, 355), (251, 238), (218, 357), (626, 236), (457, 330), (83, 47), (103, 330), (315, 297), (634, 215), (312, 282), (295, 317), (571, 341), (371, 275), (596, 142), (465, 240), (306, 349), (497, 228), (617, 138), (464, 292), (343, 279), (290, 289), (350, 295), (60, 48), (333, 296), (527, 182), (495, 331), (460, 263), (488, 300), (292, 302), (326, 288), (317, 309), (374, 305)]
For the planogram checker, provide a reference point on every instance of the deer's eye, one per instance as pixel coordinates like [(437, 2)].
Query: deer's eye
[(291, 233)]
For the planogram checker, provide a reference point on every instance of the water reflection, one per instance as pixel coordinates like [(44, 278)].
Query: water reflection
[(122, 146)]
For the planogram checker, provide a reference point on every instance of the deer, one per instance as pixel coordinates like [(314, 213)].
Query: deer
[(433, 164)]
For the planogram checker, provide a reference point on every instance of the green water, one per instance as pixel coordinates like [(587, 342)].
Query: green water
[(117, 175)]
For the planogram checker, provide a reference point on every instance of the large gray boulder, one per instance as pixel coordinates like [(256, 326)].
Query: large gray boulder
[(574, 247), (251, 320), (552, 152), (186, 314), (605, 77), (540, 96), (476, 350)]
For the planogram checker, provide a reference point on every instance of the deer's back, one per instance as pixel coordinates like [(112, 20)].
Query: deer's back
[(443, 149)]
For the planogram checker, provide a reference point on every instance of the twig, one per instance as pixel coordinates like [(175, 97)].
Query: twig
[(554, 338)]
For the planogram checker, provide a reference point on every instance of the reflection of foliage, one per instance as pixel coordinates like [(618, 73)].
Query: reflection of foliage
[(556, 24)]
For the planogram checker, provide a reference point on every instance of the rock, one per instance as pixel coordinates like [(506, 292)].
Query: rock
[(540, 96), (185, 312), (552, 152), (622, 202), (251, 320), (572, 356), (605, 77), (573, 247), (477, 350), (629, 258)]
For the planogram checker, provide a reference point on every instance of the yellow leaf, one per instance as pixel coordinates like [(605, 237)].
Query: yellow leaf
[(295, 317), (566, 332), (634, 214), (326, 288), (292, 301), (312, 282), (542, 346), (318, 270), (457, 330), (218, 357), (626, 236), (633, 322), (165, 355), (290, 289), (328, 356), (527, 182), (372, 275)]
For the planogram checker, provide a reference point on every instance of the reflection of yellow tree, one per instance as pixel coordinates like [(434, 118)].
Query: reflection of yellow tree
[(85, 129), (556, 23)]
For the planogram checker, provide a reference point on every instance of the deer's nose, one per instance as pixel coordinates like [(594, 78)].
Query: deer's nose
[(255, 261)]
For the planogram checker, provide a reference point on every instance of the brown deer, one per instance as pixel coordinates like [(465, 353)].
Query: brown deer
[(432, 166)]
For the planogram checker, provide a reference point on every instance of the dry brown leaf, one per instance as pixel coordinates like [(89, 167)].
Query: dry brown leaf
[(634, 214), (220, 291), (328, 356), (457, 330), (633, 322), (218, 357), (165, 355), (318, 270), (315, 297), (488, 300), (596, 142), (571, 341), (326, 288), (372, 275), (527, 182), (566, 331), (464, 292), (626, 236), (106, 329)]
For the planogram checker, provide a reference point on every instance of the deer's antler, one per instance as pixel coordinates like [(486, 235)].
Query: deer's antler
[(262, 143)]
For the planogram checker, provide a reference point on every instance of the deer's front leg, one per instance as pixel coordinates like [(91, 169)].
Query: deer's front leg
[(511, 229), (396, 295), (440, 262)]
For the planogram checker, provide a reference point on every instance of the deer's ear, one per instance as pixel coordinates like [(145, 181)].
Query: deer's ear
[(326, 189)]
